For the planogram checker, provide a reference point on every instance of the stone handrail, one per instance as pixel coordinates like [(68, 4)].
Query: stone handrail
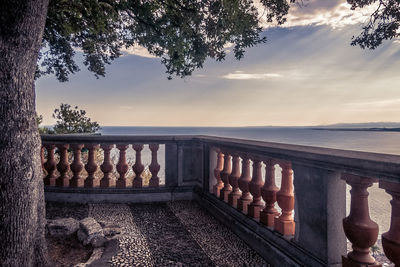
[(384, 166), (310, 226)]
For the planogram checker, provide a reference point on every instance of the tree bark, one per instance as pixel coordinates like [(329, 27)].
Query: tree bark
[(22, 210)]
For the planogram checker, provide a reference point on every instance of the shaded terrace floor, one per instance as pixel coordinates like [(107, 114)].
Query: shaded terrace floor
[(178, 233)]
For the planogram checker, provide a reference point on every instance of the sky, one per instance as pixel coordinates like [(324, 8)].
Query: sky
[(307, 73)]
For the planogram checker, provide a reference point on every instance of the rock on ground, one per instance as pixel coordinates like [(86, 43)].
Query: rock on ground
[(91, 232), (62, 227)]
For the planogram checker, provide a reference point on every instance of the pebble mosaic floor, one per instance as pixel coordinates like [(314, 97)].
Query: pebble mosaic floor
[(179, 233)]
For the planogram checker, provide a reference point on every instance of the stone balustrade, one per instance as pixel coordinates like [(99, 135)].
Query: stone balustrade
[(286, 201), (103, 150)]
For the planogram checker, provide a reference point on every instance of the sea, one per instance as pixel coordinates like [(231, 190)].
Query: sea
[(368, 141), (386, 142)]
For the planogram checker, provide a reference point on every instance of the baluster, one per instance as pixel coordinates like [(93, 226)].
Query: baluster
[(122, 166), (285, 224), (63, 166), (255, 189), (154, 166), (91, 166), (42, 157), (358, 226), (50, 166), (138, 167), (391, 239), (226, 171), (268, 193), (217, 174), (106, 167), (243, 182), (233, 181), (76, 166)]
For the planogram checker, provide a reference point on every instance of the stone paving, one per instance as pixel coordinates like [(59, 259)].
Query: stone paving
[(133, 247), (173, 234)]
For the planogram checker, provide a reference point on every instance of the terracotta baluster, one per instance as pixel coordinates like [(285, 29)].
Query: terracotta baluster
[(63, 166), (243, 182), (42, 157), (358, 226), (76, 166), (391, 239), (268, 193), (154, 167), (226, 171), (217, 174), (50, 166), (106, 167), (91, 166), (255, 189), (233, 181), (285, 224), (138, 167), (122, 166)]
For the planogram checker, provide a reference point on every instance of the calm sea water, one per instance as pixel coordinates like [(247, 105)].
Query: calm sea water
[(380, 142)]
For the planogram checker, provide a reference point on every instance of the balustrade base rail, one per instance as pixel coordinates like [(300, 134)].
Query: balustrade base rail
[(118, 195)]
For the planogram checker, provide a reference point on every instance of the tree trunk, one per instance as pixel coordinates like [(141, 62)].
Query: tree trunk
[(22, 210)]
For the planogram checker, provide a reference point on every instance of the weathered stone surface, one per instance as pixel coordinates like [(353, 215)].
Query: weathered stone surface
[(90, 226), (82, 236), (62, 227), (98, 241), (111, 230), (90, 231)]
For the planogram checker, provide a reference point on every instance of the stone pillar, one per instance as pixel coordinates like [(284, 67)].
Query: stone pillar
[(284, 224), (224, 192), (122, 166), (171, 165), (63, 166), (358, 226), (391, 239), (50, 166), (91, 166), (76, 166), (106, 167), (154, 166), (320, 207), (244, 180), (268, 193), (138, 167), (217, 174), (233, 181), (255, 189)]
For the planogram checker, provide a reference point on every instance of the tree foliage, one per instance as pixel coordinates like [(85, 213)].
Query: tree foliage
[(383, 24), (182, 33), (73, 121)]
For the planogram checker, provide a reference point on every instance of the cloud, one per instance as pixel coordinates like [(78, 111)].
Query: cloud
[(126, 107), (374, 104), (137, 50), (334, 13), (240, 75)]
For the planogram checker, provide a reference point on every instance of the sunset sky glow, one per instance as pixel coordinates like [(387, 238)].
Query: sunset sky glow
[(306, 74)]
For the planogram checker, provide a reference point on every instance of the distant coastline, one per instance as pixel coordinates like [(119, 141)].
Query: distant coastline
[(360, 129)]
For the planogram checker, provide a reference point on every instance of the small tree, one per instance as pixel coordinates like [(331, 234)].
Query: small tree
[(42, 129), (73, 121)]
